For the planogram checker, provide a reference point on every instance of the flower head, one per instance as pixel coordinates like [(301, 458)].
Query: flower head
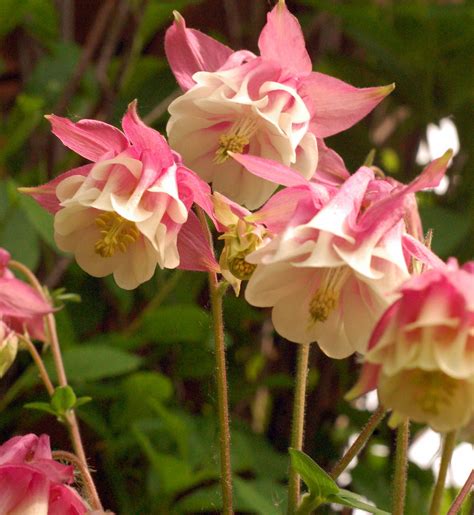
[(271, 105), (421, 353), (330, 275), (122, 214), (32, 483)]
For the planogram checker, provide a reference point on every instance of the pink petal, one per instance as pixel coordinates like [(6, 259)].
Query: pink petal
[(368, 380), (45, 194), (17, 448), (338, 105), (420, 252), (193, 248), (23, 491), (189, 51), (282, 40), (270, 170), (144, 138), (200, 190), (19, 299), (331, 169), (64, 500), (89, 138)]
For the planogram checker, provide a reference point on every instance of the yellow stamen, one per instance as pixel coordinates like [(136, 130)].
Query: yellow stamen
[(236, 139), (435, 389), (117, 234), (326, 297), (241, 268)]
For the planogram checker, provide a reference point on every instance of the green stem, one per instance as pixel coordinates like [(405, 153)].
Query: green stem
[(448, 448), (216, 295), (401, 465), (297, 429), (375, 419)]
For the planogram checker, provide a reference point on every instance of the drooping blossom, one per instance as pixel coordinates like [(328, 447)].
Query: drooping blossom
[(329, 276), (421, 352), (123, 213), (32, 483), (273, 105), (22, 308)]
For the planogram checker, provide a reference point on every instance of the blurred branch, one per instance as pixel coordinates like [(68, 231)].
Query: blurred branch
[(161, 107), (234, 24), (92, 42), (66, 9)]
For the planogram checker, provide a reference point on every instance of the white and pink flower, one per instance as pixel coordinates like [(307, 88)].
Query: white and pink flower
[(421, 353), (273, 105), (123, 214), (331, 273), (32, 483)]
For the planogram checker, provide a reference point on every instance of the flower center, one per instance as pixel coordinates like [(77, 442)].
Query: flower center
[(241, 268), (117, 233), (326, 297), (236, 139), (435, 389)]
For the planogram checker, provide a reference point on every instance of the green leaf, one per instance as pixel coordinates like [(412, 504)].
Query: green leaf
[(93, 362), (63, 399), (319, 483), (177, 323), (41, 406), (347, 498), (251, 498), (82, 400)]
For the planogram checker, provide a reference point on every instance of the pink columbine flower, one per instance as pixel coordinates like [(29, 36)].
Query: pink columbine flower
[(124, 213), (329, 276), (421, 353), (273, 105), (21, 307), (32, 483)]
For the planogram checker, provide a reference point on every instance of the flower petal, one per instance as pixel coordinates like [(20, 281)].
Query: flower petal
[(282, 41), (89, 138), (189, 51), (338, 105)]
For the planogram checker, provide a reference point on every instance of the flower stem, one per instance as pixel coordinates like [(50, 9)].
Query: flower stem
[(216, 295), (297, 429), (71, 419), (468, 485), (79, 465), (375, 419), (401, 465), (448, 448), (39, 363)]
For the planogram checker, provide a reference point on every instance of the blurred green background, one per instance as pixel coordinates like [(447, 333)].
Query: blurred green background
[(146, 356)]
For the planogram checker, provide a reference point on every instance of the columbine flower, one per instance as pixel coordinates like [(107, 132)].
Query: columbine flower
[(421, 353), (122, 214), (32, 483), (21, 307), (273, 106), (329, 277)]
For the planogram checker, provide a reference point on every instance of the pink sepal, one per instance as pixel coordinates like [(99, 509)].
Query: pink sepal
[(45, 194), (338, 105), (282, 41), (420, 252), (331, 170), (270, 170), (368, 380), (88, 138), (193, 247), (145, 138), (18, 299), (189, 51)]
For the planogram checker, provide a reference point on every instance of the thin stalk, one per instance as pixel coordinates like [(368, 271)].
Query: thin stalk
[(79, 465), (297, 429), (448, 448), (463, 493), (216, 294), (71, 419), (40, 365), (401, 465), (375, 419)]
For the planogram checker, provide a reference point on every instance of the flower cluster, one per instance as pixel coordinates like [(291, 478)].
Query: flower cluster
[(337, 256)]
